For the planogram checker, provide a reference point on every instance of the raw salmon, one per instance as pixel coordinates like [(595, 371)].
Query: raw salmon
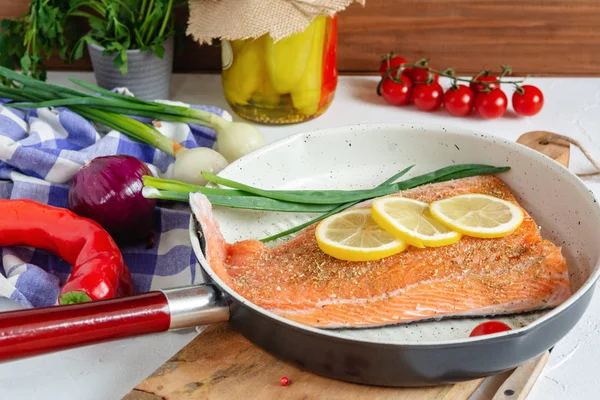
[(296, 280)]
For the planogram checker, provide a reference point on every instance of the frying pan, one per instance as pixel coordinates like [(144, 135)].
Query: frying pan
[(416, 354)]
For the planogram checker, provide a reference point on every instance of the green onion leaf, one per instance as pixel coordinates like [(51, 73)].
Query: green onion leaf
[(432, 177), (343, 196), (244, 202), (176, 186)]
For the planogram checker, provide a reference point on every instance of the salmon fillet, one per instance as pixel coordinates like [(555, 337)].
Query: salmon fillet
[(473, 277)]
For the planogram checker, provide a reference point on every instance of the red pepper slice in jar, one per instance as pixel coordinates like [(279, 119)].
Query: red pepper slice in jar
[(329, 63), (99, 271)]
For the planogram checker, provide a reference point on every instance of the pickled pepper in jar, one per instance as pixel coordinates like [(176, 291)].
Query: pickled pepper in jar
[(285, 81)]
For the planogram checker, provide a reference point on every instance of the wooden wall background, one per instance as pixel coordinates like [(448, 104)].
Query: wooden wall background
[(540, 37)]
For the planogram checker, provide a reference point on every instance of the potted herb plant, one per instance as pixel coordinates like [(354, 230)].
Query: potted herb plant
[(130, 42), (26, 41)]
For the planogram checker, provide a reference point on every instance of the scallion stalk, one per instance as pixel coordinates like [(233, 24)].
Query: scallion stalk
[(182, 187), (131, 127), (243, 202), (433, 177), (336, 210), (345, 196), (444, 174), (234, 139)]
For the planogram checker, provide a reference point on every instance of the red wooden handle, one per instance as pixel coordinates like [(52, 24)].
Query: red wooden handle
[(34, 331)]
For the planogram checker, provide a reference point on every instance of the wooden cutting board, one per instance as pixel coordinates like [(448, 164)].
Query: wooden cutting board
[(221, 364)]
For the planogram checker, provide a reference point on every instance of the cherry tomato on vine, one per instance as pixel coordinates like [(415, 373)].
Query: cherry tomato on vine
[(478, 87), (419, 75), (489, 327), (427, 97), (529, 102), (459, 101), (491, 104), (391, 62), (396, 93)]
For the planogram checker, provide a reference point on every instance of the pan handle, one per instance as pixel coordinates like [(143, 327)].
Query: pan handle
[(36, 331)]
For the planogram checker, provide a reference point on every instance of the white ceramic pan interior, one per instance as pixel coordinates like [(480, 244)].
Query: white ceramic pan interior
[(363, 156)]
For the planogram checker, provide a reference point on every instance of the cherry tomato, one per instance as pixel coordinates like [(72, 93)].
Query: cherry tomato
[(487, 328), (419, 75), (491, 104), (428, 97), (396, 94), (459, 101), (391, 62), (528, 103), (478, 87)]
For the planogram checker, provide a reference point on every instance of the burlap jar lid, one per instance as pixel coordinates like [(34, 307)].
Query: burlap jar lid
[(243, 19)]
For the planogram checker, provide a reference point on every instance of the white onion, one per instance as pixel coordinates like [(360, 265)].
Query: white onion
[(236, 139), (190, 163)]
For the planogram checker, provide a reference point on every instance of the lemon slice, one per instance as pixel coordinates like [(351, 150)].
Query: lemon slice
[(478, 215), (411, 221), (352, 235)]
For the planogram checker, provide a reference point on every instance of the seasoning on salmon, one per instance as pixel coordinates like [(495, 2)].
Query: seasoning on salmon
[(296, 280)]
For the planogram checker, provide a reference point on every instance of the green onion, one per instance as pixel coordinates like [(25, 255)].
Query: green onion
[(436, 176), (234, 139), (108, 93), (165, 189), (345, 196), (46, 93), (131, 127), (489, 170), (336, 210), (37, 84), (244, 202), (277, 199), (449, 173), (309, 223), (176, 186)]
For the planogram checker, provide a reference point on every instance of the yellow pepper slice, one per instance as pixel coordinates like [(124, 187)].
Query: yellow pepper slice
[(306, 94), (242, 78), (287, 58), (265, 95)]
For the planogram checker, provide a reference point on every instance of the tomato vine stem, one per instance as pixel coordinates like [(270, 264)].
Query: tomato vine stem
[(447, 74)]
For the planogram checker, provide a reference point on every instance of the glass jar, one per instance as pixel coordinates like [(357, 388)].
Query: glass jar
[(288, 81)]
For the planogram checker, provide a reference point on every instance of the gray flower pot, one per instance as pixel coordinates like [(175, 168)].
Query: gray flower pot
[(148, 76)]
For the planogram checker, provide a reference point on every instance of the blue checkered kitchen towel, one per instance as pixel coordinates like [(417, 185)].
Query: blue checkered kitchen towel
[(40, 150)]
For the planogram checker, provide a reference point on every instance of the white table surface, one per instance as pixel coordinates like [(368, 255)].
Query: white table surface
[(110, 370)]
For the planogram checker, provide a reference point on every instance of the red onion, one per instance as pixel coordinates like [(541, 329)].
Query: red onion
[(108, 190)]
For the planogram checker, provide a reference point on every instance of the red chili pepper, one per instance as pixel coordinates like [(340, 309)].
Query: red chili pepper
[(329, 63), (99, 271)]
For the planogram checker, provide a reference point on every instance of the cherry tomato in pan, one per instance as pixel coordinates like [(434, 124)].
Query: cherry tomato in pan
[(489, 327), (491, 104), (529, 102), (478, 87), (396, 94), (391, 62), (428, 97), (459, 101)]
